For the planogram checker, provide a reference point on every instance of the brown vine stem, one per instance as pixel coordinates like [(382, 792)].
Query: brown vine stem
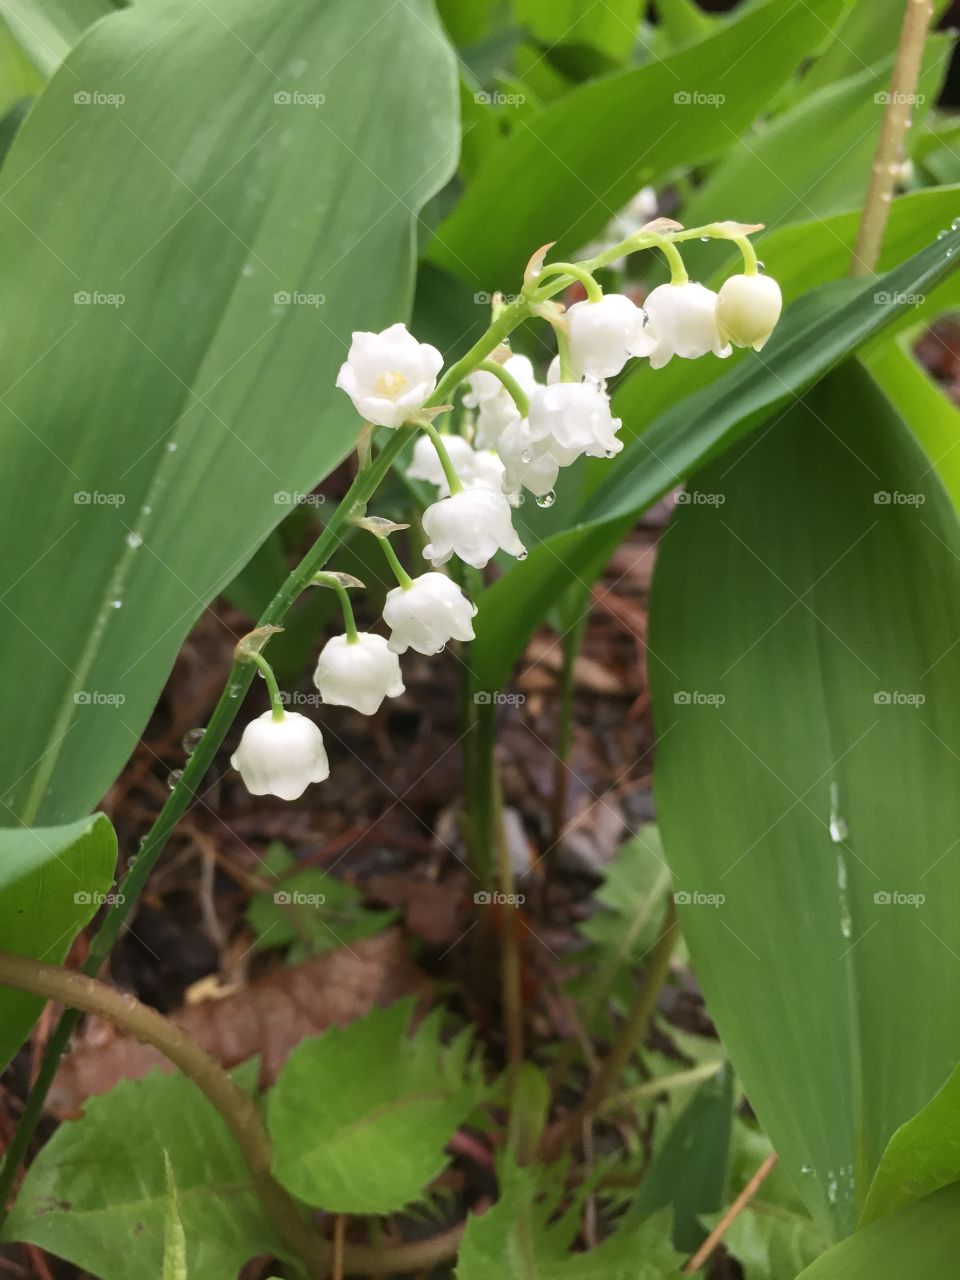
[(723, 1226), (893, 130), (238, 1110)]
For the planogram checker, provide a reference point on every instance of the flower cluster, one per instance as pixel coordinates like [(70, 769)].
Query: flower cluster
[(518, 434)]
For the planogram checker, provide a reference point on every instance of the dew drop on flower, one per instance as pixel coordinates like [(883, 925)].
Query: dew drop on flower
[(134, 539), (173, 778), (761, 266), (192, 740), (610, 453), (526, 456), (522, 555), (546, 499)]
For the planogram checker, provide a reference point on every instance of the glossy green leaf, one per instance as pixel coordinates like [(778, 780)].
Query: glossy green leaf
[(564, 175), (97, 1194), (804, 659), (173, 360), (47, 30), (610, 28), (922, 1156), (397, 1099), (52, 883), (811, 338), (926, 409), (926, 1237)]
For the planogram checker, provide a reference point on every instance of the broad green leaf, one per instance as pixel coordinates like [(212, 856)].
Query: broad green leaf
[(789, 171), (360, 1116), (804, 659), (97, 1193), (174, 1239), (258, 227), (811, 338), (684, 19), (610, 28), (563, 176), (311, 911), (53, 881), (524, 1237), (47, 30), (18, 78), (922, 1156), (932, 417), (690, 1171), (926, 1237)]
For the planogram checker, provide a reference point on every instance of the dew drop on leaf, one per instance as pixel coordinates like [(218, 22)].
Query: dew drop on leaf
[(173, 778), (192, 740)]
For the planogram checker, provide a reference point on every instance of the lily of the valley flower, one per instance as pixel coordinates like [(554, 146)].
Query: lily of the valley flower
[(748, 308), (473, 524), (473, 466), (575, 417), (428, 613), (281, 756), (605, 334), (493, 402), (389, 375), (358, 673), (527, 463), (683, 322)]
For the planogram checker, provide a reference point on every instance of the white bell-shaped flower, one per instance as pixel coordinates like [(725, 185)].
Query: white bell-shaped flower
[(605, 334), (358, 673), (683, 322), (281, 757), (748, 308), (576, 418), (473, 466), (493, 402), (527, 463), (428, 613), (389, 375), (473, 525)]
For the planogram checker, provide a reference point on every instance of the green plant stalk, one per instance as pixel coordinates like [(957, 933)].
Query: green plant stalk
[(517, 393), (273, 689), (893, 130), (510, 976), (346, 608), (454, 483), (572, 642)]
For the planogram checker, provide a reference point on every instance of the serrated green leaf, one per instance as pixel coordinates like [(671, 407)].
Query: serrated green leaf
[(310, 911), (631, 897), (174, 1239), (52, 883), (97, 1193), (360, 1116)]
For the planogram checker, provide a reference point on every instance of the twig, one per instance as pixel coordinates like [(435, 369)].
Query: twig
[(738, 1206), (889, 153), (339, 1228), (511, 986)]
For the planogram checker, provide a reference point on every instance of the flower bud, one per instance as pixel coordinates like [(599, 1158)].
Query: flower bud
[(358, 673), (605, 334), (683, 322), (428, 613), (281, 757), (389, 375), (474, 525), (748, 308)]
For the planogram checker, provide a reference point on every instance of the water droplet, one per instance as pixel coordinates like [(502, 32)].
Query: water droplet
[(146, 510), (247, 269), (832, 1189), (841, 871), (609, 453), (134, 539), (116, 604), (522, 555), (955, 225), (172, 446), (705, 239), (526, 456), (838, 825), (192, 740), (806, 1169), (546, 499), (173, 778), (941, 235)]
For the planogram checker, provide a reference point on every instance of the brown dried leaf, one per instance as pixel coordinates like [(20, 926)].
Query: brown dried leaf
[(269, 1018)]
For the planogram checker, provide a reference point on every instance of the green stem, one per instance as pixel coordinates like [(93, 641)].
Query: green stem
[(572, 643), (265, 669), (566, 358), (751, 266), (510, 976), (449, 470), (576, 272), (678, 272), (138, 872), (346, 607), (393, 560), (517, 393)]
